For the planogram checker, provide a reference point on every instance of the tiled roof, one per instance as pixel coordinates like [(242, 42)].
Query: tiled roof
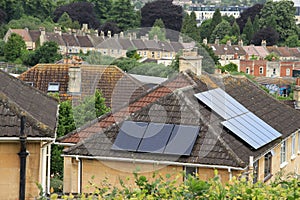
[(126, 43), (24, 33), (139, 44), (110, 43), (96, 40), (166, 46), (273, 80), (84, 41), (214, 145), (16, 99), (55, 37), (70, 40), (177, 46), (117, 87), (118, 115), (295, 52), (262, 51), (151, 45)]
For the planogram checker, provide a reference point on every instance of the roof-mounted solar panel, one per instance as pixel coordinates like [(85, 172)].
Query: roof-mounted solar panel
[(182, 140), (221, 103), (156, 137), (252, 130), (239, 120), (130, 135)]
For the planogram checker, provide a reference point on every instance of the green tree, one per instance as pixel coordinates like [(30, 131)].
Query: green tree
[(14, 47), (39, 8), (235, 29), (158, 29), (132, 53), (102, 9), (280, 15), (89, 109), (2, 44), (220, 31), (209, 60), (47, 53), (216, 19), (189, 27), (292, 41), (256, 24), (248, 31), (205, 29), (122, 12), (65, 21), (65, 125)]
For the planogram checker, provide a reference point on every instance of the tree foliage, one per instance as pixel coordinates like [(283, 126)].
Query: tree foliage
[(279, 15), (123, 14), (83, 12), (170, 186), (109, 26), (158, 30), (248, 31), (14, 47), (216, 19), (66, 22), (189, 28), (249, 12), (268, 34), (170, 14), (220, 31), (102, 9), (292, 41)]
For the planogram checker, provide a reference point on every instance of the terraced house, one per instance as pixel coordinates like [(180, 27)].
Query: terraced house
[(192, 124)]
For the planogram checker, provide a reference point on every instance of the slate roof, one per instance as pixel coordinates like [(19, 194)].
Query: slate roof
[(84, 41), (55, 37), (18, 98), (214, 145), (70, 40), (126, 43), (35, 35), (110, 43), (117, 87)]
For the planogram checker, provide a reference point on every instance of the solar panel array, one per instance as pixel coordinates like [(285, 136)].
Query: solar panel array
[(156, 138), (239, 119)]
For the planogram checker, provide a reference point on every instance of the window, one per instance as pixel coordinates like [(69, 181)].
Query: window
[(293, 150), (268, 166), (288, 72), (152, 54), (53, 87), (261, 70), (255, 171), (283, 152), (274, 71), (190, 171), (247, 70)]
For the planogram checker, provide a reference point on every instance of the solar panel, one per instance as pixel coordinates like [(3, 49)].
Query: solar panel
[(156, 137), (222, 103), (130, 135), (252, 130), (182, 140)]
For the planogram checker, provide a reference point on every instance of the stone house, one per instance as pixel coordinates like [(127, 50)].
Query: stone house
[(182, 126), (28, 120), (30, 37)]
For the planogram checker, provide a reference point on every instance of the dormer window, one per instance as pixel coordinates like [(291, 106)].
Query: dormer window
[(53, 87), (29, 83)]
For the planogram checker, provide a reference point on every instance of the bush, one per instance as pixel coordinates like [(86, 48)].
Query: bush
[(56, 184)]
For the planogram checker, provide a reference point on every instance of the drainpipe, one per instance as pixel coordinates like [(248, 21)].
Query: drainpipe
[(230, 174), (79, 174), (22, 154)]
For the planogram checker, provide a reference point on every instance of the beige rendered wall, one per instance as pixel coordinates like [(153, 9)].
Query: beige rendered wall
[(114, 171), (10, 170), (293, 162)]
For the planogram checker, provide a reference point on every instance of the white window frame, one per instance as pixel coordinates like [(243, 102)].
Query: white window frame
[(288, 72), (247, 70), (283, 152), (274, 71), (261, 70), (298, 142), (293, 147), (53, 85)]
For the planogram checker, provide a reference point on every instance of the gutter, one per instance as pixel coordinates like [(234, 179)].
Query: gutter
[(28, 139), (64, 144), (155, 162)]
